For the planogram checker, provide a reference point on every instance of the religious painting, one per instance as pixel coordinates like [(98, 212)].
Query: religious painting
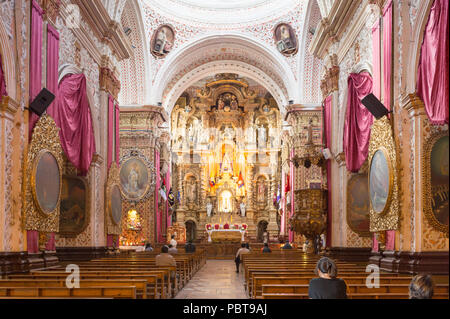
[(162, 41), (227, 102), (261, 190), (436, 190), (46, 182), (380, 180), (134, 178), (116, 204), (285, 39), (358, 217), (74, 206)]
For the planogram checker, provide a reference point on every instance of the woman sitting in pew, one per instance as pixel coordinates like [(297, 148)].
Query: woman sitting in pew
[(327, 286)]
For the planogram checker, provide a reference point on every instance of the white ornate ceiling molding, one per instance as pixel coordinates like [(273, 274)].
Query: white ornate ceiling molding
[(260, 58), (114, 8), (106, 29), (331, 28)]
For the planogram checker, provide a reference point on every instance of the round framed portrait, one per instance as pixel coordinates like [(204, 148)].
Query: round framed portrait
[(380, 181), (116, 204), (46, 182), (134, 178), (162, 41), (285, 39)]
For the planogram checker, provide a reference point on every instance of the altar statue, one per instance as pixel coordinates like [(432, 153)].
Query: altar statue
[(242, 206), (227, 166), (262, 139), (209, 207), (191, 189), (261, 192)]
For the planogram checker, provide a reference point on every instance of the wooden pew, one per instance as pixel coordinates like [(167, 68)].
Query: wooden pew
[(114, 292)]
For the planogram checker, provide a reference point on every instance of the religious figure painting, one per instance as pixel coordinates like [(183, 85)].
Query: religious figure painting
[(73, 213), (358, 204), (47, 182), (116, 204), (162, 41), (285, 39), (134, 178), (380, 177), (439, 180)]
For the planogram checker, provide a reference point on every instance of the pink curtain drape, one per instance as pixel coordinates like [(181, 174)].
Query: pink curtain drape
[(376, 72), (112, 241), (50, 245), (432, 78), (2, 80), (390, 240), (327, 117), (72, 115), (117, 133), (111, 112), (157, 186), (291, 233), (168, 185), (32, 241), (52, 60), (387, 54), (375, 246), (35, 73), (358, 121)]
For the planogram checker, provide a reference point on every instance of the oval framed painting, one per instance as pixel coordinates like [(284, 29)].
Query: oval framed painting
[(134, 178), (74, 206), (436, 181), (285, 39), (358, 206), (162, 41), (46, 182), (381, 179), (115, 204)]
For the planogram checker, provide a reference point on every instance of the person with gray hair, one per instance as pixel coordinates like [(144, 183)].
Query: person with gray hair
[(421, 287)]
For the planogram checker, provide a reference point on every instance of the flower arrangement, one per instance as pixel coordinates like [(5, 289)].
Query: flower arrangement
[(236, 226), (244, 227), (216, 226), (208, 227), (226, 226)]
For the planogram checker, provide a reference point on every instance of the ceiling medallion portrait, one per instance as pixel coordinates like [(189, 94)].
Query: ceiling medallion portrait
[(162, 41), (285, 39)]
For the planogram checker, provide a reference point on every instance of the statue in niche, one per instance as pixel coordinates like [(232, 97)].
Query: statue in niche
[(191, 190), (261, 191), (242, 207), (234, 103), (209, 208), (262, 139), (227, 163), (220, 104), (251, 134)]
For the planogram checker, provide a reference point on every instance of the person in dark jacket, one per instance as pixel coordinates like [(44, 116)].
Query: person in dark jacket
[(266, 248), (189, 247), (327, 286)]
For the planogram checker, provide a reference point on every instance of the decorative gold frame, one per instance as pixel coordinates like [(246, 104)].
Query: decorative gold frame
[(361, 234), (381, 137), (135, 154), (426, 183), (33, 181), (391, 179), (45, 139), (88, 206), (113, 180)]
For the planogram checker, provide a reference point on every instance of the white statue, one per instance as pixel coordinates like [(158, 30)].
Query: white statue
[(133, 181), (242, 206), (191, 188), (250, 134), (209, 207), (262, 136)]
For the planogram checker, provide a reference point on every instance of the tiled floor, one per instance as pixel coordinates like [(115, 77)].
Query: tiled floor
[(216, 280)]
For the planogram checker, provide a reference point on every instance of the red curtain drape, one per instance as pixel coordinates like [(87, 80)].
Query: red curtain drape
[(35, 58), (2, 80), (117, 132), (51, 245), (52, 60), (432, 78), (387, 54), (32, 241), (376, 72), (168, 185), (112, 241), (292, 172), (390, 239), (110, 129), (327, 121), (358, 121), (157, 186), (72, 115)]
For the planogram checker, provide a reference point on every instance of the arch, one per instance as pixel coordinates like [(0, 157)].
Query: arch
[(261, 227), (272, 69), (9, 66), (415, 44), (191, 229)]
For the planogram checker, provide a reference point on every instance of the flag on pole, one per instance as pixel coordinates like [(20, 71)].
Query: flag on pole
[(287, 188), (211, 182), (240, 180), (162, 190), (278, 195), (171, 198), (179, 197)]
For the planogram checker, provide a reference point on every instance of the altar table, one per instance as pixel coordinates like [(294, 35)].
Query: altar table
[(226, 235)]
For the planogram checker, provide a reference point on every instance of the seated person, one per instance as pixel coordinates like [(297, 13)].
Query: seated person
[(172, 250), (189, 247), (165, 259), (287, 245), (421, 287), (173, 241), (266, 248), (148, 247), (242, 250), (327, 286)]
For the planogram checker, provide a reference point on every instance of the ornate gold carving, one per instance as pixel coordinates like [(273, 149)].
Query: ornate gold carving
[(112, 181), (310, 217), (45, 139), (382, 139), (51, 9), (427, 190), (109, 82), (330, 82)]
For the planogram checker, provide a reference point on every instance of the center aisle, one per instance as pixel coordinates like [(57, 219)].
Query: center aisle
[(216, 280)]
